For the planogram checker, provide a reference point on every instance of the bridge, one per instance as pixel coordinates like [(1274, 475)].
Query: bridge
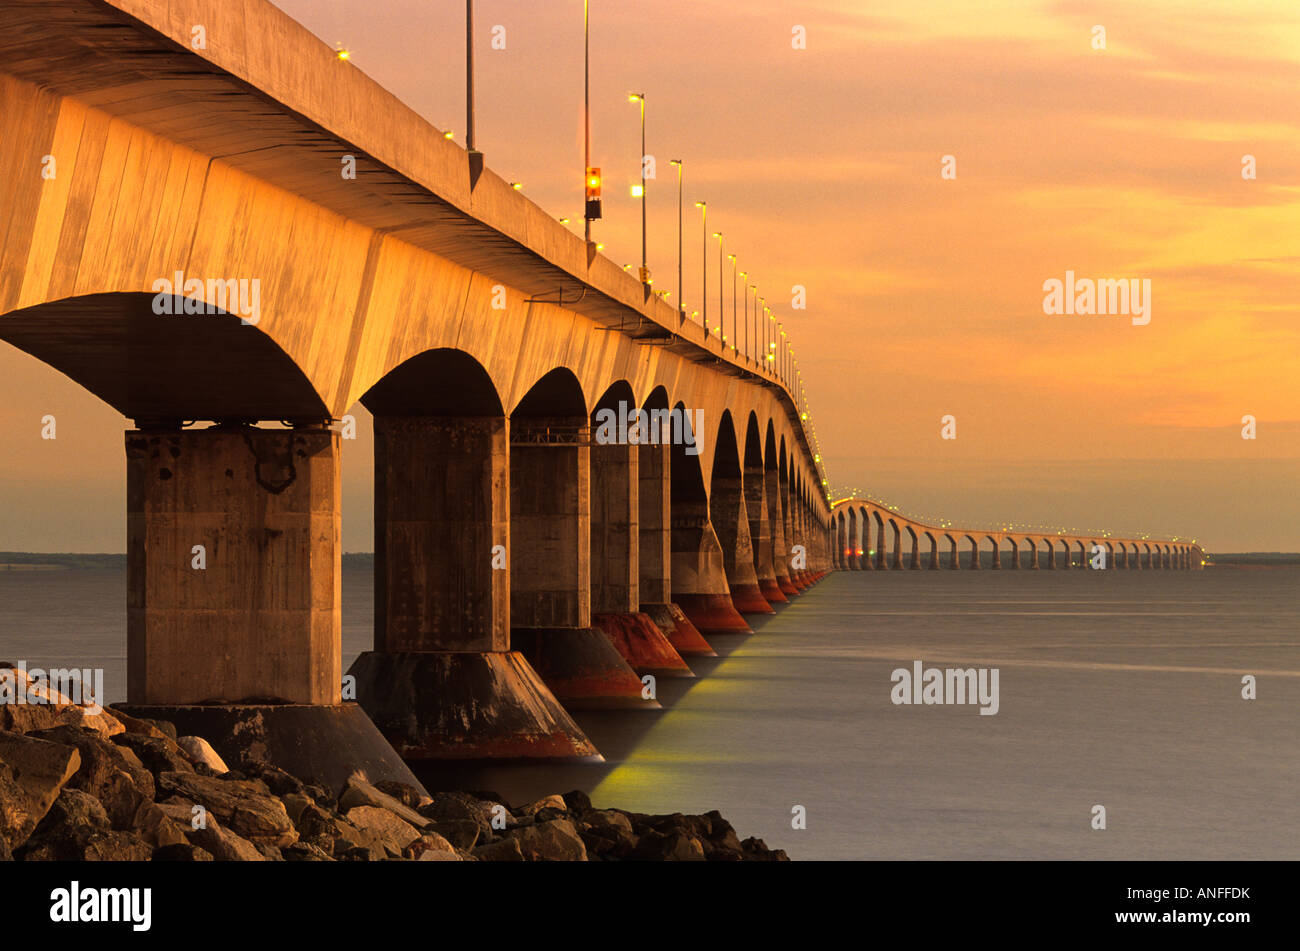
[(870, 536), (181, 237)]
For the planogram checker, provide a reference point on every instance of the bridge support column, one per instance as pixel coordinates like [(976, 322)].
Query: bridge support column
[(1051, 556), (730, 520), (954, 557), (699, 572), (233, 599), (897, 561), (975, 555), (997, 555), (934, 554), (914, 563), (655, 552), (854, 543), (780, 550), (550, 568), (1015, 555), (1033, 551), (442, 681), (615, 564), (790, 513), (760, 536)]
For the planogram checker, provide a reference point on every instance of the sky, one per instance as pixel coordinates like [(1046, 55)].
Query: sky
[(823, 166)]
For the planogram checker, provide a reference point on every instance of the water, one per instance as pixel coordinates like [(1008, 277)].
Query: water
[(1119, 689)]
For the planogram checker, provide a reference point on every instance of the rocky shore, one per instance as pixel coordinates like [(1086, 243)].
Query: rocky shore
[(82, 786)]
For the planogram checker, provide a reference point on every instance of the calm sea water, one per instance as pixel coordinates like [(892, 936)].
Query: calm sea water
[(1119, 689)]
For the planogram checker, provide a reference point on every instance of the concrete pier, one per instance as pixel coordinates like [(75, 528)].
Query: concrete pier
[(615, 565), (233, 597), (550, 567), (442, 681)]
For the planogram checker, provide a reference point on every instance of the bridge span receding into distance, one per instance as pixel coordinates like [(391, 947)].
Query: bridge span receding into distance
[(868, 535), (524, 566)]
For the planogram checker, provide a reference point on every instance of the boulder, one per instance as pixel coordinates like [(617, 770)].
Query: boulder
[(756, 850), (114, 775), (221, 843), (461, 833), (45, 707), (671, 847), (428, 843), (35, 772), (155, 728), (408, 796), (83, 844), (384, 828), (200, 751), (554, 841), (453, 805), (607, 834), (547, 802), (302, 851), (295, 804), (157, 754), (504, 850), (358, 792), (162, 827), (577, 801), (276, 780), (245, 806)]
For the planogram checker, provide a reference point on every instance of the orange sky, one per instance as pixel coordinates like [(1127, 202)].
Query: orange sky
[(822, 168)]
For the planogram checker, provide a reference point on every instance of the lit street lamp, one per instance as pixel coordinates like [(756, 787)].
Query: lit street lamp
[(639, 97), (735, 330), (681, 301)]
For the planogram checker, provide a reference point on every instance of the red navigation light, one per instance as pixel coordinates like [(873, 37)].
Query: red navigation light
[(593, 192)]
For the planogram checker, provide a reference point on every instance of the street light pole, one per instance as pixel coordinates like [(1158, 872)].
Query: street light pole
[(722, 309), (639, 97), (681, 303), (586, 98), (744, 279), (704, 271), (469, 75), (735, 330)]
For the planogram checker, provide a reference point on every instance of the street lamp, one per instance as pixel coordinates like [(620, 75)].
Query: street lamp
[(592, 179), (722, 310), (639, 97), (704, 286), (735, 330), (469, 76), (681, 301), (743, 278)]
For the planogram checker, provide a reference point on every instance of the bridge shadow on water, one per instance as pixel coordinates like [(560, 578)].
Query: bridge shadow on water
[(616, 733)]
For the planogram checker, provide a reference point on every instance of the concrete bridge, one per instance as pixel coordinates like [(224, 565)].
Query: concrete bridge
[(181, 237), (872, 536)]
